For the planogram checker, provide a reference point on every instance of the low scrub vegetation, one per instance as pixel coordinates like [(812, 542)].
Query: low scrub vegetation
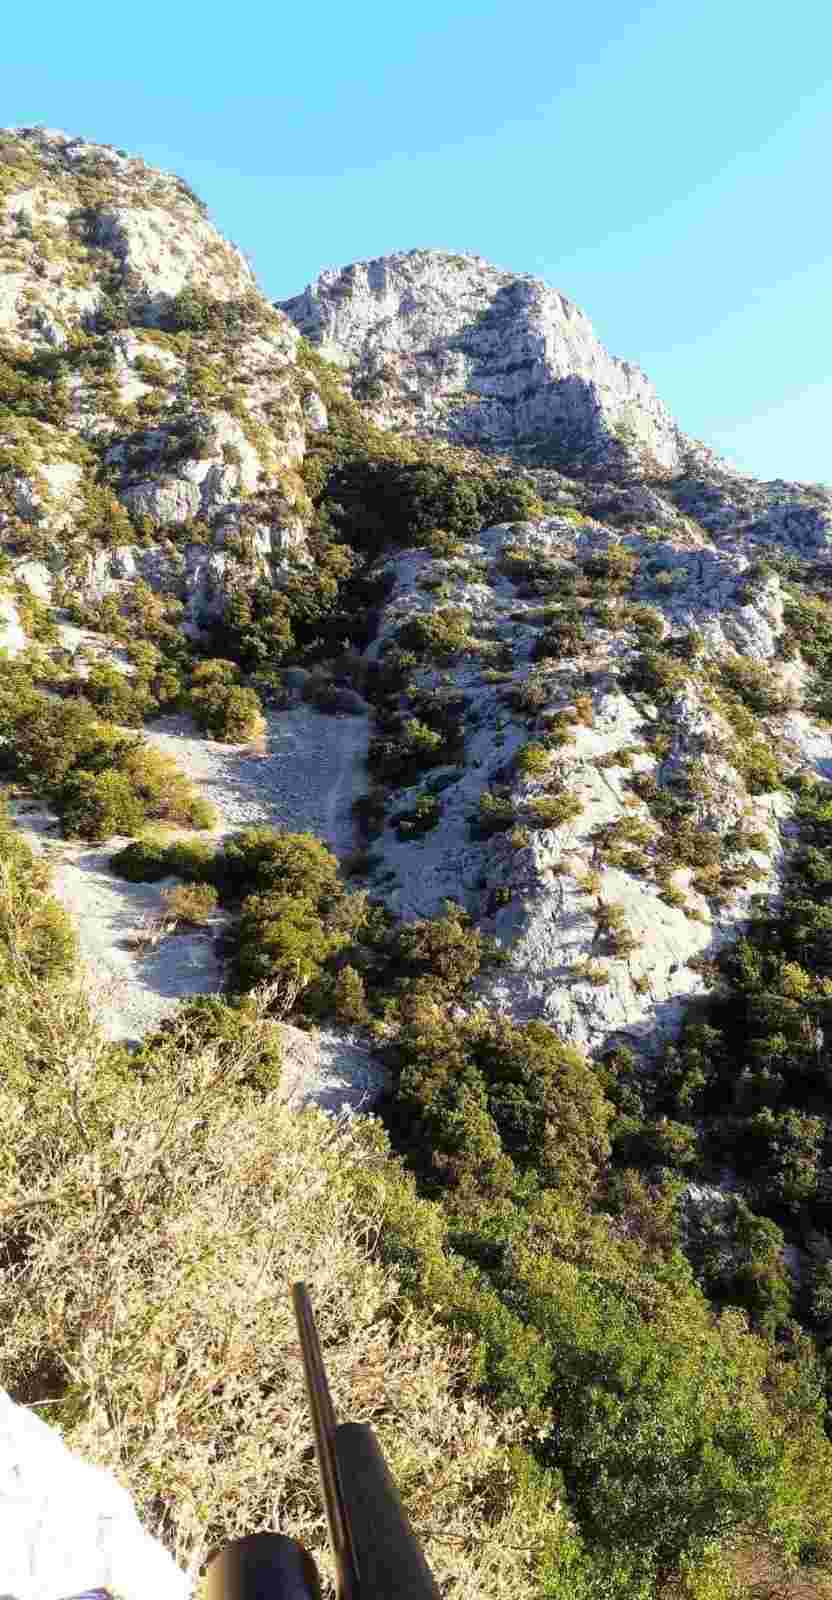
[(223, 707), (100, 780)]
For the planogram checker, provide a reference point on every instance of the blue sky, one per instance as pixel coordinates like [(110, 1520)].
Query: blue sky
[(666, 165)]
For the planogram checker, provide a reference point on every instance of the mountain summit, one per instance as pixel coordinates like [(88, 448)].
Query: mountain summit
[(451, 346)]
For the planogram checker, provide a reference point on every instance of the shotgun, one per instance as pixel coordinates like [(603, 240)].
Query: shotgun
[(374, 1550)]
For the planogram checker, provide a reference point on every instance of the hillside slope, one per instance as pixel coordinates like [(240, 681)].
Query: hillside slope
[(390, 663)]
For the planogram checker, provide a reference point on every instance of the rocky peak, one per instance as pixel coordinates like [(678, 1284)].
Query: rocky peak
[(452, 346)]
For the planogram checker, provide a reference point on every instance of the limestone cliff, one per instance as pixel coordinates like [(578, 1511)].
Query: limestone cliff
[(150, 392), (451, 346)]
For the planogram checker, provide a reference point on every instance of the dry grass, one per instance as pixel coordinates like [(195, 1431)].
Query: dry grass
[(149, 1232), (190, 904)]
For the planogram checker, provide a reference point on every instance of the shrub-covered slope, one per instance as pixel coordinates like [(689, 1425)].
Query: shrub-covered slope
[(576, 919)]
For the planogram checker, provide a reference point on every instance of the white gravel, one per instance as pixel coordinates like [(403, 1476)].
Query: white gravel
[(306, 779), (327, 1069), (130, 991), (311, 770)]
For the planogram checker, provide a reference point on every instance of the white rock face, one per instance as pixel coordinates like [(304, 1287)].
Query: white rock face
[(450, 345), (66, 1527), (98, 242), (538, 897), (12, 635)]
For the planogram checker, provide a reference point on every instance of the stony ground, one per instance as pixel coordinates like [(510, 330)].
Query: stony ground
[(304, 778)]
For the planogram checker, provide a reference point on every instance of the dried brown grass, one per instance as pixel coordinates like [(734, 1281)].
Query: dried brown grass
[(149, 1230)]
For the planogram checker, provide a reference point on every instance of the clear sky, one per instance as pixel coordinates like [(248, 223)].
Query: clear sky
[(667, 165)]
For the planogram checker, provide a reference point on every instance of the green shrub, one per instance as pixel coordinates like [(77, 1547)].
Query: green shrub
[(532, 761), (479, 1099), (235, 1195), (259, 859), (91, 771), (437, 957), (349, 998), (738, 1258), (553, 810), (439, 635), (423, 816), (758, 765), (141, 861), (221, 706), (657, 674), (120, 697), (614, 568), (662, 1143), (95, 805), (405, 749), (150, 858), (37, 937), (611, 920), (166, 793), (282, 940), (623, 842), (496, 813), (380, 500), (564, 637), (756, 685)]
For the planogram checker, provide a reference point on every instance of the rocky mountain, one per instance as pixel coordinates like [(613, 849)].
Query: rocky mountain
[(409, 564), (158, 420), (450, 346)]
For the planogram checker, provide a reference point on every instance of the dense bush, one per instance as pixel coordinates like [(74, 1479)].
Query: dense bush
[(423, 815), (553, 810), (475, 1101), (532, 761), (406, 745), (612, 570), (496, 813), (440, 635), (657, 673), (37, 937), (565, 636), (190, 903), (99, 779), (756, 685), (380, 500), (152, 857), (221, 706), (437, 957), (259, 859), (95, 805), (125, 1282), (295, 915)]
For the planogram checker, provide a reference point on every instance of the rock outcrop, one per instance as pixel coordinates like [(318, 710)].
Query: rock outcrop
[(452, 346), (150, 391)]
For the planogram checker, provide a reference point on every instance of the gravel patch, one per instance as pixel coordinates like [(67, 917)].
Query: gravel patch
[(306, 779), (309, 772), (326, 1069), (132, 992)]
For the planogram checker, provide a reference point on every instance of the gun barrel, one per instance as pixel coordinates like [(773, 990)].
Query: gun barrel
[(324, 1429)]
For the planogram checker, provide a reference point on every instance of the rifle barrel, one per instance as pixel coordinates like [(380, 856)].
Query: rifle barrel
[(323, 1427)]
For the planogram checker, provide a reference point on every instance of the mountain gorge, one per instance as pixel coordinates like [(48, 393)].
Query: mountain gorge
[(410, 715)]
